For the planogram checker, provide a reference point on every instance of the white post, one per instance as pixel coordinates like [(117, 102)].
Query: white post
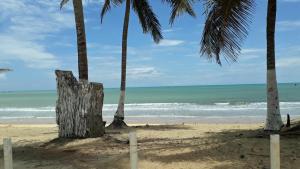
[(133, 150), (7, 148), (275, 151)]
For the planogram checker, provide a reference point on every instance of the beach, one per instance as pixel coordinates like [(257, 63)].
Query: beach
[(199, 87), (196, 127), (185, 146)]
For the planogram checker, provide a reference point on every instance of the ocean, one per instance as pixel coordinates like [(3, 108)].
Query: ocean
[(198, 103)]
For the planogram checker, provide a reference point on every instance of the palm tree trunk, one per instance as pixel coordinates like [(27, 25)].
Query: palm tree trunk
[(81, 40), (274, 121), (118, 121)]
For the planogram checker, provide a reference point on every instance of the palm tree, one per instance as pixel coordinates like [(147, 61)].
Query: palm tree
[(149, 23), (274, 121), (81, 38), (225, 28)]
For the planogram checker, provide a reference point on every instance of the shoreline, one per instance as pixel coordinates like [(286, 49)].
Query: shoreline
[(152, 120)]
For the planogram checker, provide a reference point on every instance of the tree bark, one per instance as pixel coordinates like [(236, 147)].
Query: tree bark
[(78, 107), (118, 121), (81, 40), (273, 121)]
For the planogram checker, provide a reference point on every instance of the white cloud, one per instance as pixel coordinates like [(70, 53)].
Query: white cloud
[(252, 50), (38, 28), (291, 0), (171, 30), (251, 53), (288, 25), (37, 20), (2, 76), (69, 6), (168, 30), (142, 72), (168, 42), (28, 24), (288, 62), (34, 55), (11, 5)]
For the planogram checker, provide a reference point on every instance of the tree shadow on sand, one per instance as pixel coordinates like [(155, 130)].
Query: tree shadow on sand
[(58, 142), (72, 153), (163, 127), (232, 149)]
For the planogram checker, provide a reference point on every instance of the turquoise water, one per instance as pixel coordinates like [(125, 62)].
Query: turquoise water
[(222, 101)]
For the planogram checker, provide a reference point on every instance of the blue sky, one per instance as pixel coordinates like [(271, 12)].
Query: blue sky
[(36, 38)]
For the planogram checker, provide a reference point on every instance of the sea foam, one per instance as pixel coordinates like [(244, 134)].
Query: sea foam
[(178, 110)]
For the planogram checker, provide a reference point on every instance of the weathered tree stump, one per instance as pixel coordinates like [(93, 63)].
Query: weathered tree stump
[(78, 107)]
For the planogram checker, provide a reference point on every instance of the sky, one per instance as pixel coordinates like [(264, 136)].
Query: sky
[(36, 38)]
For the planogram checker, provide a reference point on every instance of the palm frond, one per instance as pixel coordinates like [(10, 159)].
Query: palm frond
[(105, 8), (107, 5), (148, 19), (226, 27), (63, 2), (5, 70), (180, 7)]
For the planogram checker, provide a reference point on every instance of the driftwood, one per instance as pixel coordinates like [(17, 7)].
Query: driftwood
[(78, 107)]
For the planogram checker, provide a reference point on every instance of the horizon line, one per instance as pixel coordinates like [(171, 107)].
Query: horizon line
[(3, 91)]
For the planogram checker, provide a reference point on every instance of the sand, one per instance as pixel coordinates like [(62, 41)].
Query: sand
[(192, 146)]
